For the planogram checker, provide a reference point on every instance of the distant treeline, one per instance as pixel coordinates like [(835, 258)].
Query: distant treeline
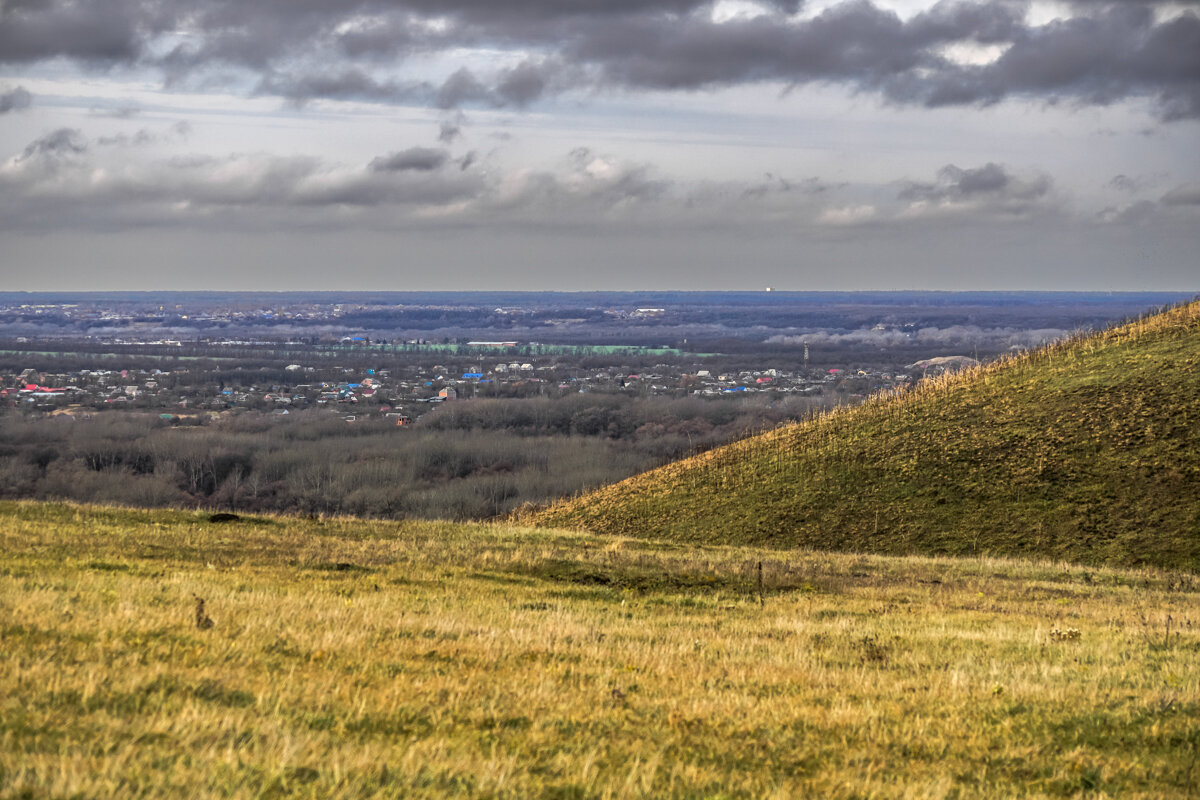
[(466, 460)]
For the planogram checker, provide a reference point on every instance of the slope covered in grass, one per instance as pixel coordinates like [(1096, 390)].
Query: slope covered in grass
[(1088, 450), (370, 659)]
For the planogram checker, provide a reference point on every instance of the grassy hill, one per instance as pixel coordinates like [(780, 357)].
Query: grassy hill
[(1088, 450), (371, 659)]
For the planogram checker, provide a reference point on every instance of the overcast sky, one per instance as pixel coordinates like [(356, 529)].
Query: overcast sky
[(599, 144)]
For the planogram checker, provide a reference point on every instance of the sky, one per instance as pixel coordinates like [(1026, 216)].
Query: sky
[(599, 144)]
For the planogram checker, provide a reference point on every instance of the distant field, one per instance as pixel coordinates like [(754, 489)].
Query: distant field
[(332, 350), (83, 354), (525, 349), (421, 659)]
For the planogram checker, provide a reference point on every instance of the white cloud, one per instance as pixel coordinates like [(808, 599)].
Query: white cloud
[(847, 215)]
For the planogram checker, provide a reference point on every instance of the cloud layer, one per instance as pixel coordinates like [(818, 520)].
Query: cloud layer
[(952, 54), (622, 142), (14, 100), (66, 180)]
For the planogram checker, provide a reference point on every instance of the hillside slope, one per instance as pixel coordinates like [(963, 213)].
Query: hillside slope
[(1088, 450)]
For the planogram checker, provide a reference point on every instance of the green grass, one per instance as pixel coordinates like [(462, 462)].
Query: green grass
[(1087, 451), (358, 658)]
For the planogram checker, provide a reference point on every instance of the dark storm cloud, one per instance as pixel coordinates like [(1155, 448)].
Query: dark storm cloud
[(854, 42), (145, 137), (450, 129), (62, 142), (304, 49), (350, 84), (137, 139), (517, 86), (419, 159), (109, 32), (524, 83), (774, 184), (14, 100), (1097, 59), (991, 191), (990, 182), (460, 88)]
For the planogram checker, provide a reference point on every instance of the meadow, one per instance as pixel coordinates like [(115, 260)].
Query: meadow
[(367, 658)]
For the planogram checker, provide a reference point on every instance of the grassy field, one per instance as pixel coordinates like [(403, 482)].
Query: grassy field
[(375, 659), (1087, 450)]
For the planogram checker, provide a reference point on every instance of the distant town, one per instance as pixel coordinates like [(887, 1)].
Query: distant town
[(398, 355), (400, 392)]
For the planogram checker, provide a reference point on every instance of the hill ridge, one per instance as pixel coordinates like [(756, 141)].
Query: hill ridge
[(1087, 449)]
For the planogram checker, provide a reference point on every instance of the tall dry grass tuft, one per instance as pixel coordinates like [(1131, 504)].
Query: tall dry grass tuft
[(203, 620)]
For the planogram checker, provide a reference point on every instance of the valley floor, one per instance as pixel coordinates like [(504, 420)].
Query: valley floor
[(353, 658)]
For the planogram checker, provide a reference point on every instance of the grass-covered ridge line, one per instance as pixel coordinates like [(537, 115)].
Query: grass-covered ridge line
[(1087, 450), (380, 659)]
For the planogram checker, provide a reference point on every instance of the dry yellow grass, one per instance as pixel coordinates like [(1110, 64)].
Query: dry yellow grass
[(374, 659)]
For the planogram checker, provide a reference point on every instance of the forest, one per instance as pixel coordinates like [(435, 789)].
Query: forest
[(466, 460)]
